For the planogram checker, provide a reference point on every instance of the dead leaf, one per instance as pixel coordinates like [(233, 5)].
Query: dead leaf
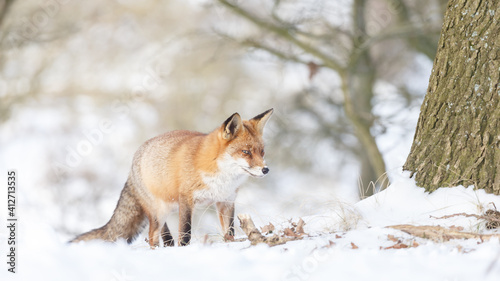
[(267, 228), (456, 228), (415, 244), (392, 238), (337, 236), (330, 244), (400, 246), (300, 227), (313, 69), (397, 246), (354, 247), (289, 232)]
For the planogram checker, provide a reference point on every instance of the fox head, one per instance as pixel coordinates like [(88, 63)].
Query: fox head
[(243, 144)]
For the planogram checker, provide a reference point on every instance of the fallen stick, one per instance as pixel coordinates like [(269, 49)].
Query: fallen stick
[(256, 237), (492, 218), (459, 214), (247, 225), (439, 233)]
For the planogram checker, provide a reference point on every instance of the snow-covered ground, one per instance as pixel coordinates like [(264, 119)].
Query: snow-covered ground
[(347, 244)]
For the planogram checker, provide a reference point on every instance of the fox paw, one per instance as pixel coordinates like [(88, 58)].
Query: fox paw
[(229, 238)]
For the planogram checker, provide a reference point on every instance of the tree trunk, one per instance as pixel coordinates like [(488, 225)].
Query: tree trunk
[(359, 78), (457, 141)]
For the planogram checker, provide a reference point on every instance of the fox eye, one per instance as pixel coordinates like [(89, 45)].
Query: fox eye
[(262, 152), (246, 152)]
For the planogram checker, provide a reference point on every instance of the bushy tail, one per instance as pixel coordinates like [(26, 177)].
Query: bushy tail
[(127, 221)]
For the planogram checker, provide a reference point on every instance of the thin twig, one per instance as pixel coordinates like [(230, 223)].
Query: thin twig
[(284, 33), (482, 217)]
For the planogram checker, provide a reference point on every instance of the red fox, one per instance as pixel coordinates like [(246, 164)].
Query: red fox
[(184, 168)]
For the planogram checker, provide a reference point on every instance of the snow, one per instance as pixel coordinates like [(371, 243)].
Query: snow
[(346, 244)]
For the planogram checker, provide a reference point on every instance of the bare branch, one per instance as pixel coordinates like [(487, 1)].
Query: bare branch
[(284, 33), (422, 42), (275, 52), (5, 7)]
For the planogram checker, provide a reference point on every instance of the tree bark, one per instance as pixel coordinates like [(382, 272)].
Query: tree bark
[(457, 141)]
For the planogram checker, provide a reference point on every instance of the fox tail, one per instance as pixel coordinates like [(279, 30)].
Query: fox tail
[(127, 221)]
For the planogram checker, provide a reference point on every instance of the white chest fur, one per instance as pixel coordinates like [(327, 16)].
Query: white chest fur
[(222, 185)]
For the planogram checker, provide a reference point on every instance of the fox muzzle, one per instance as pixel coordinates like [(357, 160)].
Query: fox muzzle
[(265, 170)]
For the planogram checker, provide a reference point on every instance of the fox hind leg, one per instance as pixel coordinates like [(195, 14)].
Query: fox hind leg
[(166, 236), (185, 217)]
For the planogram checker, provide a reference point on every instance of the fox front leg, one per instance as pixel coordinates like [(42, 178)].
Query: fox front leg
[(154, 232), (226, 217)]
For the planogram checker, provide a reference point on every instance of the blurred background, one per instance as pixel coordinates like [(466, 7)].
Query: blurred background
[(84, 83)]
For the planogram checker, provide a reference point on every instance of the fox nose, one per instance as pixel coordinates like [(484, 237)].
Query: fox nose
[(265, 170)]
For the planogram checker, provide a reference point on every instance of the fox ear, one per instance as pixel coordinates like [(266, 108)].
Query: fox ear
[(231, 127), (260, 120)]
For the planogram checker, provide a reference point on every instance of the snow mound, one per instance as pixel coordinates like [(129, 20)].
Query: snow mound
[(405, 203), (350, 243)]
